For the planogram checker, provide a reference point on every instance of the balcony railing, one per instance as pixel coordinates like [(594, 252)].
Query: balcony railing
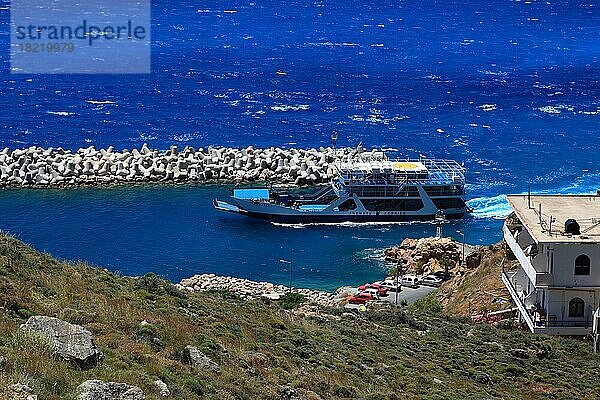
[(518, 301), (537, 321), (537, 278), (564, 324)]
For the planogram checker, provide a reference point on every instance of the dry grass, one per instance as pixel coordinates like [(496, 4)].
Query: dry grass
[(475, 292), (381, 355)]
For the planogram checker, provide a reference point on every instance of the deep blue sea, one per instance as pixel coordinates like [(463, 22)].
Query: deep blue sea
[(509, 87)]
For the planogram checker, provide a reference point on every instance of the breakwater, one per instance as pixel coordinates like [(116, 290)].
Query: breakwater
[(57, 167)]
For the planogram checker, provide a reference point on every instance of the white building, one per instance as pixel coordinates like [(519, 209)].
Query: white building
[(556, 284)]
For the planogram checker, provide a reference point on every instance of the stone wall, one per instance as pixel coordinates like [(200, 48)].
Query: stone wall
[(56, 167)]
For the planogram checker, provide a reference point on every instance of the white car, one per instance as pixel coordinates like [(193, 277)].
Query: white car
[(390, 285), (410, 281), (431, 280)]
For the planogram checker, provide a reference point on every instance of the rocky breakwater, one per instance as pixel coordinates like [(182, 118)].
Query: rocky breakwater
[(251, 290), (57, 167)]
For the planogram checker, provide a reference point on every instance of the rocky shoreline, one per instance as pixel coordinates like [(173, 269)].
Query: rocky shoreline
[(57, 167), (252, 290), (418, 256), (433, 254)]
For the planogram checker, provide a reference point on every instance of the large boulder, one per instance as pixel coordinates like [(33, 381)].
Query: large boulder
[(71, 342), (162, 388), (199, 360), (100, 390), (289, 393), (473, 260)]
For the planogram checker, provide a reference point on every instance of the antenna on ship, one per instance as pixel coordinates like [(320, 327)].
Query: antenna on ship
[(334, 138)]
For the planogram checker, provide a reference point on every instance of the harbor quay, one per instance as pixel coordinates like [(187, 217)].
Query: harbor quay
[(58, 167)]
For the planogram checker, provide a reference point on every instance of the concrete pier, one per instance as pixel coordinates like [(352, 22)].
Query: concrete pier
[(57, 167)]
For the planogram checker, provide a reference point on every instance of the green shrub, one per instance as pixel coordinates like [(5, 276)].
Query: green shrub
[(428, 303), (446, 263), (150, 334), (29, 342), (223, 294), (289, 301), (195, 386), (25, 313), (512, 369), (156, 285)]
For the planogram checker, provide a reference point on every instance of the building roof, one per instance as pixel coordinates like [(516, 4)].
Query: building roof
[(585, 209)]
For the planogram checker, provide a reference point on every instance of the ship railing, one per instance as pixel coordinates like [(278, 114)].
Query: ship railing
[(382, 191), (309, 196), (448, 168), (373, 182), (402, 183), (438, 170)]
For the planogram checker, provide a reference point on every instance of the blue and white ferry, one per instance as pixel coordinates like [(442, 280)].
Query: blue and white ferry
[(373, 189)]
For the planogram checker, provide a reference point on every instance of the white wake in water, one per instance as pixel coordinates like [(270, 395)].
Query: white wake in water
[(351, 224), (490, 207), (497, 207)]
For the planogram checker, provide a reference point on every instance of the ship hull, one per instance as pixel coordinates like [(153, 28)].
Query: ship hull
[(284, 215), (340, 218)]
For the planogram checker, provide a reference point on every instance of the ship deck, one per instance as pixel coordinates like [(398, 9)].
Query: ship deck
[(436, 172)]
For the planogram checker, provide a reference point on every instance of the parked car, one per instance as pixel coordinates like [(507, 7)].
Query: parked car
[(391, 285), (373, 292), (431, 280), (410, 281), (360, 298), (443, 275), (381, 291)]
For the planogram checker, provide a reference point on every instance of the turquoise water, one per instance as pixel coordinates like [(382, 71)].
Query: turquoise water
[(174, 231)]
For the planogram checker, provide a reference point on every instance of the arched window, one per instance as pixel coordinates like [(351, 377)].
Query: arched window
[(576, 306), (582, 265)]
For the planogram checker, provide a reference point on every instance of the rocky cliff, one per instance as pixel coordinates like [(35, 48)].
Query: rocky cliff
[(474, 285)]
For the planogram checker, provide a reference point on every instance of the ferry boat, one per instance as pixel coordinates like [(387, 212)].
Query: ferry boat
[(370, 189)]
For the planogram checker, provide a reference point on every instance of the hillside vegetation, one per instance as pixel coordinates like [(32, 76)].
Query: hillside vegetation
[(264, 351), (477, 290)]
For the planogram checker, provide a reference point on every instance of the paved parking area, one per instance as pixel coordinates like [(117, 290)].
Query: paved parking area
[(409, 294)]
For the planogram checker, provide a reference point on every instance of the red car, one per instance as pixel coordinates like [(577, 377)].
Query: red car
[(360, 298), (381, 291)]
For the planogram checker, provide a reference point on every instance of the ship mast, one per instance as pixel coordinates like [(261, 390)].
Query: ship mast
[(334, 138)]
